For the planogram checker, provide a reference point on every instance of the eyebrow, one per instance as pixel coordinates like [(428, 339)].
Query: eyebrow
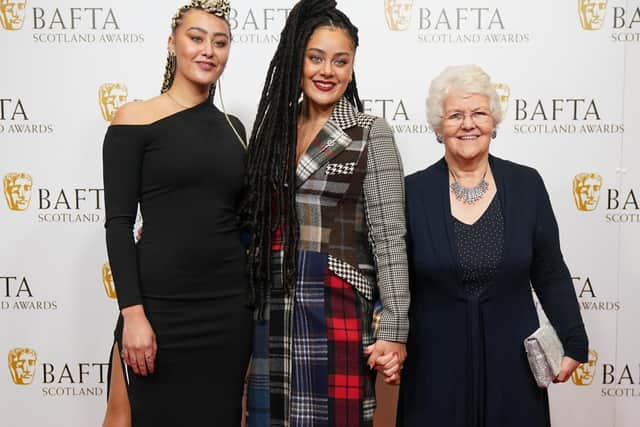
[(202, 30), (315, 49), (473, 110)]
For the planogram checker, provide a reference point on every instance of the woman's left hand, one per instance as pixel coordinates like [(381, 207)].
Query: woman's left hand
[(567, 367)]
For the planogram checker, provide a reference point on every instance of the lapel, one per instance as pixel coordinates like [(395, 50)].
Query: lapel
[(441, 226), (330, 141), (509, 214)]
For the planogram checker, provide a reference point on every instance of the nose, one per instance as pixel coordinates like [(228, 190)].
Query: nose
[(467, 122), (327, 68), (208, 50)]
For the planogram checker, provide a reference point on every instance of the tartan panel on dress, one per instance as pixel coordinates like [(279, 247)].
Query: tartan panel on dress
[(348, 374), (269, 380), (309, 373), (258, 389)]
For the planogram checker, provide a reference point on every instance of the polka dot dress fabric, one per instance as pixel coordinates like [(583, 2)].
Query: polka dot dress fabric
[(480, 247)]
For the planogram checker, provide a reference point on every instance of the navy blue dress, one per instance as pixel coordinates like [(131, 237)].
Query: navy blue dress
[(466, 364)]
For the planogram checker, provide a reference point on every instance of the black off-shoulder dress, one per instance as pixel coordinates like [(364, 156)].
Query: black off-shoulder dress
[(188, 270)]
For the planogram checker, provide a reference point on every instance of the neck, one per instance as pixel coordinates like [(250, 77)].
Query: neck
[(314, 113), (467, 170), (187, 93)]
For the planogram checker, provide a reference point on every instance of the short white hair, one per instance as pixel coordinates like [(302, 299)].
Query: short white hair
[(467, 79)]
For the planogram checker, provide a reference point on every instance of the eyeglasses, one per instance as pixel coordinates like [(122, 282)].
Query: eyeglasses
[(456, 118)]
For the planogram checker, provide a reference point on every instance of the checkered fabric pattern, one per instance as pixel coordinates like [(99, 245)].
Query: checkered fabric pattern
[(350, 381), (310, 367), (350, 207), (340, 168)]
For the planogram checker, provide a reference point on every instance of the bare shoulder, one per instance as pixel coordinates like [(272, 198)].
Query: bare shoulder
[(140, 112)]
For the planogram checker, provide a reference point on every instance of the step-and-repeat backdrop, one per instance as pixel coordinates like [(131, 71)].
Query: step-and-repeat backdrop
[(567, 72)]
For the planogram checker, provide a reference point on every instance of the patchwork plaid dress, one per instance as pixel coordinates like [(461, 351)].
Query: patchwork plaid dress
[(309, 367)]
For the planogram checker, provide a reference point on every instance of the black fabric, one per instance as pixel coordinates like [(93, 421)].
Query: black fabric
[(457, 338), (189, 268), (479, 248)]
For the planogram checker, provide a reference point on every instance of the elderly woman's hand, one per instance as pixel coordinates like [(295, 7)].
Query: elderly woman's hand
[(567, 367)]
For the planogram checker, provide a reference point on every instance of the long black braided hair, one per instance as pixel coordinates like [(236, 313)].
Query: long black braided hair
[(270, 201)]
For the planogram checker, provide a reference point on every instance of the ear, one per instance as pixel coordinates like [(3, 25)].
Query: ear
[(171, 44)]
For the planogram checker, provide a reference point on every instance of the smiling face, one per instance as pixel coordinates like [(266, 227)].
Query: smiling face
[(466, 126), (201, 44), (328, 66)]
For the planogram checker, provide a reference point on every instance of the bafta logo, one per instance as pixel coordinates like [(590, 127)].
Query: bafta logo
[(585, 372), (398, 14), (22, 365), (111, 96), (586, 191), (504, 93), (17, 190), (592, 13), (12, 13), (107, 281)]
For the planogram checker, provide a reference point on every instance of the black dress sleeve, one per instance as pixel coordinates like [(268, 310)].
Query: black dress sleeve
[(551, 279), (122, 154)]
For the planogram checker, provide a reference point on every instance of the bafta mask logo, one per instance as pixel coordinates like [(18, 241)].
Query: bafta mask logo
[(22, 365), (12, 14), (111, 96), (107, 281), (504, 93), (17, 190), (398, 14), (586, 191), (592, 13), (585, 372)]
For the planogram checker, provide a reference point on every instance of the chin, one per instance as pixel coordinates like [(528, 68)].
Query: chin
[(324, 101)]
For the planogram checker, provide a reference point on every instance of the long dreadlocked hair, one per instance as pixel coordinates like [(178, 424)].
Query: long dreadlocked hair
[(219, 8), (271, 173)]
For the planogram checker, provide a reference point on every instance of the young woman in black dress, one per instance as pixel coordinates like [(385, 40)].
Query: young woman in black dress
[(182, 341)]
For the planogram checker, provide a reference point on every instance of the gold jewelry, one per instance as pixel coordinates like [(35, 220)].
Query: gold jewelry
[(242, 141), (220, 8), (176, 102)]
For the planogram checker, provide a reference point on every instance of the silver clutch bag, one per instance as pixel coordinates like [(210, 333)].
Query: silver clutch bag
[(544, 351)]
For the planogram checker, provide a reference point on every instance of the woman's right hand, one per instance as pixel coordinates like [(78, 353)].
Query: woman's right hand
[(139, 346)]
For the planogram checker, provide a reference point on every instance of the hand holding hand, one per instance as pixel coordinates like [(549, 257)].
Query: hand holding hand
[(387, 357)]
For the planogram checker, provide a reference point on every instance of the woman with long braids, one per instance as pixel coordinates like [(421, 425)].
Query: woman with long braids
[(183, 337), (325, 201)]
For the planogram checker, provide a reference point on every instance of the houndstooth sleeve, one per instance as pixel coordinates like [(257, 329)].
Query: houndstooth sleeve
[(384, 206)]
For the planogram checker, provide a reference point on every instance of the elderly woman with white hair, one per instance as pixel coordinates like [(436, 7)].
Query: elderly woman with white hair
[(481, 231)]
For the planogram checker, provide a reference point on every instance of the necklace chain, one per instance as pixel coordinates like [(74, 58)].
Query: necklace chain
[(176, 102), (469, 195)]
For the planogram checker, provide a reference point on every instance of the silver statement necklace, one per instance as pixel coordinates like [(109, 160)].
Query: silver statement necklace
[(469, 195)]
